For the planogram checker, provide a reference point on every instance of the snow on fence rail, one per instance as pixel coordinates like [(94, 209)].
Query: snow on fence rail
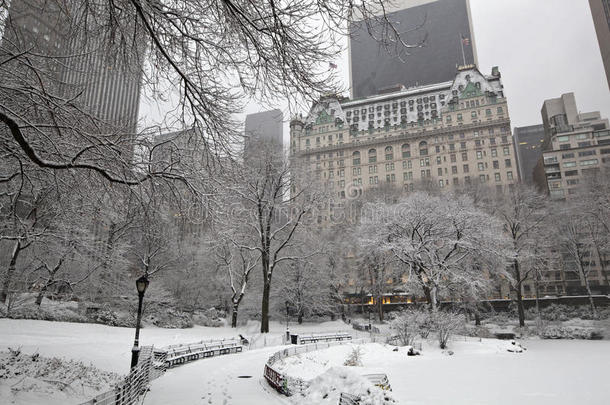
[(348, 399), (286, 384), (135, 384), (323, 337), (365, 328), (152, 363), (179, 354)]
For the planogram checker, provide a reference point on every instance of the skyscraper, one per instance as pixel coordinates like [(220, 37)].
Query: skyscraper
[(601, 18), (105, 83), (264, 128), (448, 42), (576, 146), (528, 149)]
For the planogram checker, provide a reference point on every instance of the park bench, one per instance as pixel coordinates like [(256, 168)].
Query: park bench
[(380, 380), (324, 337), (179, 354)]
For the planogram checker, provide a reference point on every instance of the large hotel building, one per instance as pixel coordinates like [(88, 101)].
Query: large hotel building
[(453, 133)]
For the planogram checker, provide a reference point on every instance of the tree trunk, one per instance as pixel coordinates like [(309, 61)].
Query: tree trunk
[(380, 309), (300, 317), (477, 317), (10, 271), (433, 299), (602, 264), (520, 308), (265, 307), (41, 295), (234, 316), (588, 287)]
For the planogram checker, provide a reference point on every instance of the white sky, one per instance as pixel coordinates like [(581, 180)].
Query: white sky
[(543, 48)]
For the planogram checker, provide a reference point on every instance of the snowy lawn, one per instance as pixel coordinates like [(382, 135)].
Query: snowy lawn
[(549, 372), (109, 348)]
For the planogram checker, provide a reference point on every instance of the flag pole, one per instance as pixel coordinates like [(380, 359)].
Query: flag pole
[(463, 53)]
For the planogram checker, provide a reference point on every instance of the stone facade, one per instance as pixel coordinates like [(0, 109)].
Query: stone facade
[(449, 134)]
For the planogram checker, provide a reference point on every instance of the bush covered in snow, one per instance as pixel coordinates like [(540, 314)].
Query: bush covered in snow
[(446, 324), (557, 312), (571, 332), (409, 324), (50, 380), (327, 389), (355, 358)]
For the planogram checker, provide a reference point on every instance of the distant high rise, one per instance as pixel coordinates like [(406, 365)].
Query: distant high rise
[(106, 84), (601, 18), (449, 42), (576, 146), (265, 127), (528, 148)]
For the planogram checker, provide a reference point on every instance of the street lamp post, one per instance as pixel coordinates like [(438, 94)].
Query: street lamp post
[(141, 285)]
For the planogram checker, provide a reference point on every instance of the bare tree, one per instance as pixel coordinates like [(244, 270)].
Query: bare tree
[(272, 204), (238, 263), (522, 212)]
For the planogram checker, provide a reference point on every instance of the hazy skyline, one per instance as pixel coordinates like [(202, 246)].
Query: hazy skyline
[(544, 48)]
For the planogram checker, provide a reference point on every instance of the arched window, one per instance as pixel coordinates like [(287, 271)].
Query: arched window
[(372, 155), (406, 151), (389, 153), (423, 148), (356, 158)]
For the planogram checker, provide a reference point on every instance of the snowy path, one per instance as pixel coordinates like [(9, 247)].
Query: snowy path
[(216, 381)]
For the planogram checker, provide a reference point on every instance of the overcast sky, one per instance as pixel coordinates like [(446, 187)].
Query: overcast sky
[(543, 47)]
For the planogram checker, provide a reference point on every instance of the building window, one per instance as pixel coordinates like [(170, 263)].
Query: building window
[(357, 171), (374, 180), (466, 169), (406, 164), (423, 148), (589, 162), (494, 153), (500, 110), (459, 117), (406, 151), (488, 112), (356, 158), (390, 178), (464, 157), (508, 163), (389, 153), (372, 155), (565, 138), (454, 170), (389, 167), (407, 176), (569, 164), (509, 175), (479, 154), (372, 169), (473, 114), (453, 158), (481, 166), (496, 164), (506, 150), (441, 183), (438, 160), (497, 176), (482, 178), (440, 171)]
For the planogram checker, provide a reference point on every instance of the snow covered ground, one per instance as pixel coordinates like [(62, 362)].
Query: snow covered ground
[(109, 348), (549, 372), (479, 372)]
